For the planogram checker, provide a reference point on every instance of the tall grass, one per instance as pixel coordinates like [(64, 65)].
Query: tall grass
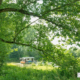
[(13, 72)]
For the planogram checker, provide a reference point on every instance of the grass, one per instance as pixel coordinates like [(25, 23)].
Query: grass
[(14, 72), (32, 66), (18, 73)]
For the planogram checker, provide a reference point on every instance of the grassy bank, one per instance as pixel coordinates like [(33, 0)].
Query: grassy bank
[(13, 72)]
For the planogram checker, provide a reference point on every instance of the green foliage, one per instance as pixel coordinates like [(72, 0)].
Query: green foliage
[(61, 17), (3, 54), (19, 51), (13, 72), (75, 52), (23, 73), (15, 54)]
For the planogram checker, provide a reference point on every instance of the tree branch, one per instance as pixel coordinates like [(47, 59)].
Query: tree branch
[(33, 14), (24, 44), (29, 13), (44, 13), (45, 53), (18, 10), (24, 28)]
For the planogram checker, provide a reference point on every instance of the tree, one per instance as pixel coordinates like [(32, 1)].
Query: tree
[(16, 53), (58, 15), (75, 52), (19, 51), (61, 17), (4, 51)]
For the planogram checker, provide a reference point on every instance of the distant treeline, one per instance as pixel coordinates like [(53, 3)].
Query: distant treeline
[(20, 51)]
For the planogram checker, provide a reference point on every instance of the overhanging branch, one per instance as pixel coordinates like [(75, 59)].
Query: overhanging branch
[(18, 43), (24, 28), (33, 14), (44, 52), (18, 10), (28, 13), (69, 4)]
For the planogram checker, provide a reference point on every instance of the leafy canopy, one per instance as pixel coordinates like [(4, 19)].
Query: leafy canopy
[(61, 17)]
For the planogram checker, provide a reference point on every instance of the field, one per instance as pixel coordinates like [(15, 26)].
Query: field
[(17, 72), (33, 66)]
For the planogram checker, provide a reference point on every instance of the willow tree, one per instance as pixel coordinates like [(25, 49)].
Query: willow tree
[(61, 17)]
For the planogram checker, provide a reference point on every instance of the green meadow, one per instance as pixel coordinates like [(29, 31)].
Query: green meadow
[(15, 72)]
